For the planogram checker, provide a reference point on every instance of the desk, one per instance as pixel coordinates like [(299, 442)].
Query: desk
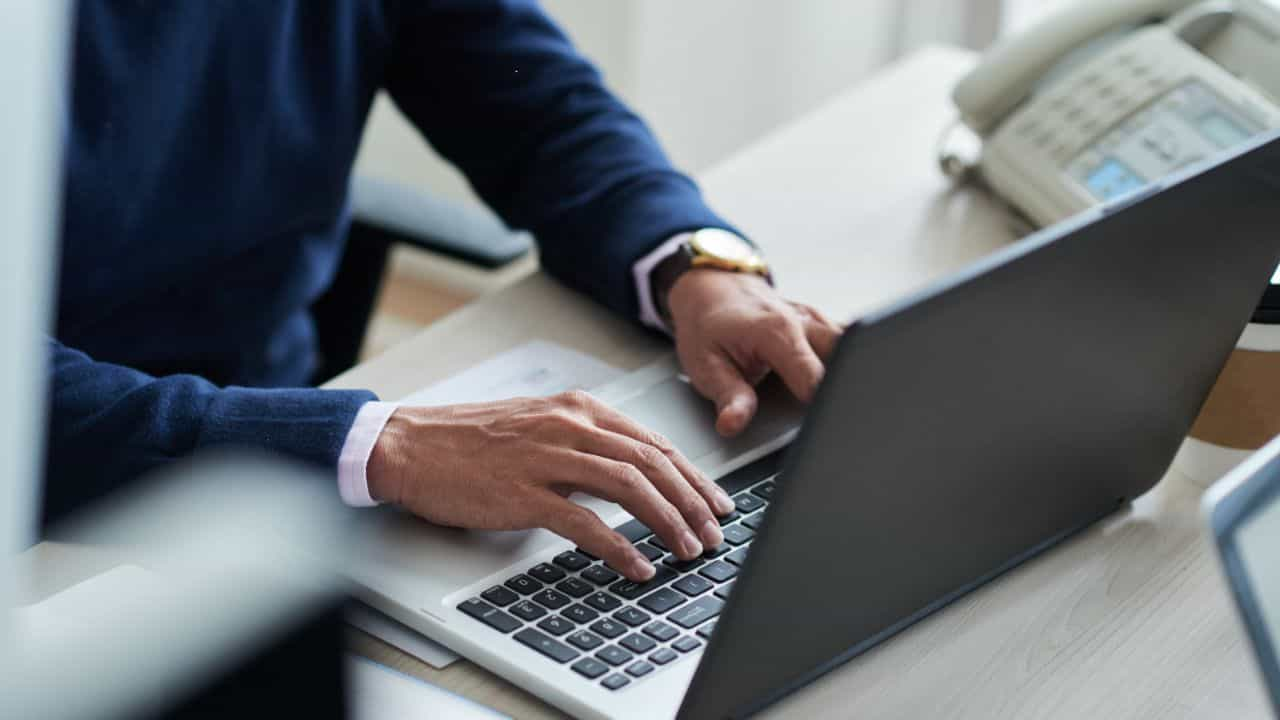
[(1127, 620)]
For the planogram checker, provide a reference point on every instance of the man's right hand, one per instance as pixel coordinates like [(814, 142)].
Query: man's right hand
[(511, 465)]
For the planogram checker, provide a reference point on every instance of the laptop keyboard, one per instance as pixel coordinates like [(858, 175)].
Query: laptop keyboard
[(576, 611)]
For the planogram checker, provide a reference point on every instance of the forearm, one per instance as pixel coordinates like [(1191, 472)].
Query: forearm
[(109, 424), (503, 94)]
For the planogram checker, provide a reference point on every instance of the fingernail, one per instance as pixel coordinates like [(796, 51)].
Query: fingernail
[(712, 536), (724, 503), (690, 544), (642, 568)]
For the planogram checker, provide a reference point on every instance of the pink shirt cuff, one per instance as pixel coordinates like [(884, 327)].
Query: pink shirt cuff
[(643, 269), (353, 461)]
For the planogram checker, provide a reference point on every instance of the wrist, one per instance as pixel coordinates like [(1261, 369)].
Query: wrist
[(385, 484), (719, 252)]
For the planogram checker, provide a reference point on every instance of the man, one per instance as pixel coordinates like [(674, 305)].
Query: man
[(209, 150)]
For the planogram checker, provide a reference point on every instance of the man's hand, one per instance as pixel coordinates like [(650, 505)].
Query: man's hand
[(733, 329), (510, 465)]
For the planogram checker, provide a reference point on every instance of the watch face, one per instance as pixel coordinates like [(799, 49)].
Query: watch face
[(724, 245)]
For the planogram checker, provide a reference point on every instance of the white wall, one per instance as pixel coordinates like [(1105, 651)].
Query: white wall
[(710, 75)]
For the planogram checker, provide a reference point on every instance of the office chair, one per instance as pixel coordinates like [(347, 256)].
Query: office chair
[(384, 214)]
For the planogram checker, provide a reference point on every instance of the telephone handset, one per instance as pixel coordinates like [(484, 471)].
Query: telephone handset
[(1108, 96)]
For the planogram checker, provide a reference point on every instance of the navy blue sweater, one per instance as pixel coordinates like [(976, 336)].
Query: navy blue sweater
[(209, 148)]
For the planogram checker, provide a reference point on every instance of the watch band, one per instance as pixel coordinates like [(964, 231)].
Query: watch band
[(684, 259)]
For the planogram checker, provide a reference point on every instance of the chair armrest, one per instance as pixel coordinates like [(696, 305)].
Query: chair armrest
[(400, 213)]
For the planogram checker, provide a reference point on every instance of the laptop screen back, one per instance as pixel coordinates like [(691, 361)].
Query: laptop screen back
[(969, 428)]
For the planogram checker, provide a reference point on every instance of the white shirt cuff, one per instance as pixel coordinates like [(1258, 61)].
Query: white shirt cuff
[(353, 461), (642, 271)]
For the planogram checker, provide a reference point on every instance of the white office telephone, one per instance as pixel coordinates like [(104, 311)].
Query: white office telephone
[(1110, 95)]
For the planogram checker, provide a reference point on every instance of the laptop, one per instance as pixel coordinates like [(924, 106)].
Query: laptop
[(957, 434), (1243, 514)]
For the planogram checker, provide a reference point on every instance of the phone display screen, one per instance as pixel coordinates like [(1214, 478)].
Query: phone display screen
[(1112, 179)]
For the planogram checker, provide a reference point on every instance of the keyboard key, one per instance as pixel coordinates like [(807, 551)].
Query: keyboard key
[(634, 531), (717, 551), (737, 535), (639, 668), (614, 655), (499, 596), (556, 625), (524, 584), (575, 587), (697, 612), (682, 566), (584, 640), (686, 644), (637, 644), (579, 613), (572, 561), (693, 585), (660, 631), (662, 601), (726, 519), (657, 542), (737, 557), (489, 615), (526, 610), (546, 573), (723, 591), (706, 630), (719, 571), (754, 521), (548, 646), (603, 602), (631, 590), (764, 490), (615, 681), (552, 599), (600, 575), (609, 628), (585, 554), (649, 551), (631, 616), (664, 656), (746, 503), (590, 668)]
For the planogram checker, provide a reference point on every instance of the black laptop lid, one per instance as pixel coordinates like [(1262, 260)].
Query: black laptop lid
[(962, 431)]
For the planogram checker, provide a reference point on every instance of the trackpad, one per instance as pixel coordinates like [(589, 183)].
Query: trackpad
[(675, 410)]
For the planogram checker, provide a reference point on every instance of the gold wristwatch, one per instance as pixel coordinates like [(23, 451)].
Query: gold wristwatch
[(711, 248)]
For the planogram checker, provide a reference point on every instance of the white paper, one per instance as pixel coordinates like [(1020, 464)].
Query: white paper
[(378, 692), (400, 636), (535, 369)]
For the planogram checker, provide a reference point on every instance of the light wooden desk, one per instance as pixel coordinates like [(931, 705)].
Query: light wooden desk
[(1127, 620)]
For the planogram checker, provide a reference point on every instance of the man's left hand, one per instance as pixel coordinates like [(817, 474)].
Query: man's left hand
[(733, 329)]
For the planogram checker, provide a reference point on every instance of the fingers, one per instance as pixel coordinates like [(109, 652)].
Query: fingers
[(585, 528), (711, 495), (645, 482), (787, 350), (822, 334), (718, 378)]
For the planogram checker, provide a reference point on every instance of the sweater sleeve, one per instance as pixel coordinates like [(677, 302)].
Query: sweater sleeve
[(501, 92), (109, 424)]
